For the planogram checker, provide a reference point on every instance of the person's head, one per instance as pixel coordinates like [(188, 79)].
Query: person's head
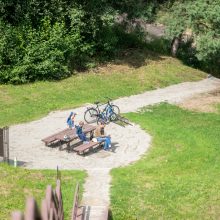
[(102, 124), (73, 115), (81, 123)]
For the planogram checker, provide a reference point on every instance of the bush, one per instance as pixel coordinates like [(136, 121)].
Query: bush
[(36, 55), (49, 40)]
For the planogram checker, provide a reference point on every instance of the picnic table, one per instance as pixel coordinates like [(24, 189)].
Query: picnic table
[(68, 135)]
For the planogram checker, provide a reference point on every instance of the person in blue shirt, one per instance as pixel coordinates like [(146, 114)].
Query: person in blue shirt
[(70, 120), (80, 133)]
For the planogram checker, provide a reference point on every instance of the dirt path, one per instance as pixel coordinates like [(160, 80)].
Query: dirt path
[(172, 94), (129, 143)]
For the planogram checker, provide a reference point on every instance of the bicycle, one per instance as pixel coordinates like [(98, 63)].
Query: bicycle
[(108, 114)]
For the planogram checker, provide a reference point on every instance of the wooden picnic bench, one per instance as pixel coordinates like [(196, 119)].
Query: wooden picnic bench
[(67, 135), (53, 138), (83, 148)]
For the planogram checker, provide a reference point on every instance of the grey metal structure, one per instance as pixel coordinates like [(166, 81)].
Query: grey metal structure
[(4, 143)]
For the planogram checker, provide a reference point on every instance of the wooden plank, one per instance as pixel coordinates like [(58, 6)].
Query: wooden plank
[(51, 206), (1, 143), (49, 193), (75, 203), (44, 210), (60, 200), (52, 138), (17, 215), (84, 147), (6, 143), (71, 133), (31, 211)]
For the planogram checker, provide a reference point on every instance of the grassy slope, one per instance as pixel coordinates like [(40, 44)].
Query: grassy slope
[(16, 184), (137, 71), (179, 178)]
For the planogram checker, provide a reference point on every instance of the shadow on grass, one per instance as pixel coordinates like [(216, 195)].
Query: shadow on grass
[(11, 162), (136, 57)]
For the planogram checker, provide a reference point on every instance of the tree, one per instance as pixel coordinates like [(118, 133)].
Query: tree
[(203, 18)]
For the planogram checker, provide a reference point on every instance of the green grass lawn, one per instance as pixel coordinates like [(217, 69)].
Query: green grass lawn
[(16, 184), (179, 178), (135, 72)]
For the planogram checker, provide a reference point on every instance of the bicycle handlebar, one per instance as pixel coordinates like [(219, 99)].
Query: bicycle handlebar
[(99, 103), (109, 99)]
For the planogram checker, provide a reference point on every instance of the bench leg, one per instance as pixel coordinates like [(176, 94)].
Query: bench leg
[(60, 145), (94, 149), (91, 135), (68, 147)]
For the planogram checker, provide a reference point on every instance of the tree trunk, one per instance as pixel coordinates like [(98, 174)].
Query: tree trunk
[(175, 46)]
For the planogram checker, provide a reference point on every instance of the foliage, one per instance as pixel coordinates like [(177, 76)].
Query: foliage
[(32, 54), (133, 72), (179, 177), (49, 39), (16, 184), (159, 45), (203, 18), (136, 8)]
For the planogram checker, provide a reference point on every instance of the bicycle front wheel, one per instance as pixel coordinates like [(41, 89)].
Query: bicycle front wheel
[(91, 115), (116, 109)]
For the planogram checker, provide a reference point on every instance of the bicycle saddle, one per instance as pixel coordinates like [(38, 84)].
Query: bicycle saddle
[(96, 103)]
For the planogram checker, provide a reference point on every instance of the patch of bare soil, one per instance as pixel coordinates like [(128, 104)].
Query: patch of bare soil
[(205, 102)]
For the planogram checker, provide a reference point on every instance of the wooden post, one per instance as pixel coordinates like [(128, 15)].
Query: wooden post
[(1, 143), (4, 144)]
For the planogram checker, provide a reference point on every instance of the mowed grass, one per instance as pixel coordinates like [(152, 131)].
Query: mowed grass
[(17, 184), (179, 178), (135, 72)]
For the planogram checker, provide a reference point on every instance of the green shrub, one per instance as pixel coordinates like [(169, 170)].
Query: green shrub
[(36, 55), (47, 44)]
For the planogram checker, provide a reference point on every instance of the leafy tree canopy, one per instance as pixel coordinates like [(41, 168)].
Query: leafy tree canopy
[(203, 18)]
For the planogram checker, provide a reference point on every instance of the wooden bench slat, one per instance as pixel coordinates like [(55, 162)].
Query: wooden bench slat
[(71, 133), (53, 135), (86, 146)]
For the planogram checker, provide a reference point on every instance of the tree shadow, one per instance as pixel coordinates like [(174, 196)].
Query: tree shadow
[(136, 57)]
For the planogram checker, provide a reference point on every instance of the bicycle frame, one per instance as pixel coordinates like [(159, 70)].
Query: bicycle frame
[(106, 113)]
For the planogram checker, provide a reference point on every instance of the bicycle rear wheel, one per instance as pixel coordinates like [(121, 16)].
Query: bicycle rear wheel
[(113, 117), (101, 118), (91, 115)]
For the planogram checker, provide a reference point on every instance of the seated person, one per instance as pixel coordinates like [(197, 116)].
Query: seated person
[(70, 120), (80, 133), (99, 134)]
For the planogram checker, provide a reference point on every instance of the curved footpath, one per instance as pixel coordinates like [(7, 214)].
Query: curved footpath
[(129, 142)]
